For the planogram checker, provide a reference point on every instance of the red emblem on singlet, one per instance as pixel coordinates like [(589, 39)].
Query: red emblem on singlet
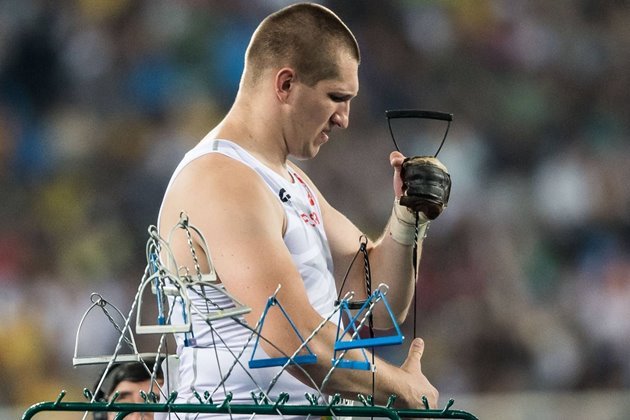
[(311, 198), (310, 219)]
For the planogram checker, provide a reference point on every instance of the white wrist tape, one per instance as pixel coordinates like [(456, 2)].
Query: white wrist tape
[(402, 225)]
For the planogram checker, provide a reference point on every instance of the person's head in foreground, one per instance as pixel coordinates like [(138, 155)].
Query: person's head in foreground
[(128, 379)]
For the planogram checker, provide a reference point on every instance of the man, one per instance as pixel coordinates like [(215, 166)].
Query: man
[(128, 379), (266, 224)]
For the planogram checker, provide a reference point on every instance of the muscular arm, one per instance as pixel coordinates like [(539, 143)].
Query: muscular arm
[(243, 223), (390, 262)]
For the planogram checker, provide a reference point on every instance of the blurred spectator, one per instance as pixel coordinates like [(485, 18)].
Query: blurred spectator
[(129, 380)]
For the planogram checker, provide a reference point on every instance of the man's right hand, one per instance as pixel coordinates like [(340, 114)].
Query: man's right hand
[(426, 185)]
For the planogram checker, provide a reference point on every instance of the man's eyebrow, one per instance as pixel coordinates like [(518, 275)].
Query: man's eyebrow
[(124, 394), (342, 96)]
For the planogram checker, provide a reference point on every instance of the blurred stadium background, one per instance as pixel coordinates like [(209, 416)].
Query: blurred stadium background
[(525, 294)]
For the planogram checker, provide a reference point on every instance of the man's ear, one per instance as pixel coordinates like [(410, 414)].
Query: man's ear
[(285, 79)]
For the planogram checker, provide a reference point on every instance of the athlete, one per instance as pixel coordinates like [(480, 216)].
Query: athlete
[(267, 224)]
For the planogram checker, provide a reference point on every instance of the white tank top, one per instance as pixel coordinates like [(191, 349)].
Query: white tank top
[(208, 353)]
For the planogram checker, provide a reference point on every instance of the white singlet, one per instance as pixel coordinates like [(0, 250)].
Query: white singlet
[(208, 353)]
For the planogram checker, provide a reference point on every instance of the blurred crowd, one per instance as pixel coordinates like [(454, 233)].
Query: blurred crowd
[(524, 281)]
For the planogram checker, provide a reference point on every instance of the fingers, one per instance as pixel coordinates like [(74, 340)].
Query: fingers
[(433, 396), (416, 349), (396, 159), (421, 385), (428, 159)]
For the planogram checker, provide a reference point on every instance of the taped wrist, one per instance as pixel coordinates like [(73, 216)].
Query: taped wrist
[(402, 225)]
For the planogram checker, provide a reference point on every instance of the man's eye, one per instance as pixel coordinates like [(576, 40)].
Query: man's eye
[(337, 98)]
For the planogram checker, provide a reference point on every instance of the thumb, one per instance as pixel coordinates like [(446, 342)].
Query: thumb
[(396, 159), (412, 363)]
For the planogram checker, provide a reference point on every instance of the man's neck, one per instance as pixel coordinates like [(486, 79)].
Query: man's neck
[(258, 136)]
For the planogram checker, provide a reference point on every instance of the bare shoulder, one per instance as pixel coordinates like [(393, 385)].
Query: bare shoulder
[(213, 186)]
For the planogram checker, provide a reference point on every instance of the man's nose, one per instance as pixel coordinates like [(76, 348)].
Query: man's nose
[(340, 118)]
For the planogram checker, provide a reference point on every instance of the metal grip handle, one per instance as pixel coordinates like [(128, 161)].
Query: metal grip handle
[(417, 113)]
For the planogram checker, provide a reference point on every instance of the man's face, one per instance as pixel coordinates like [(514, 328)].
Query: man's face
[(316, 110), (129, 392)]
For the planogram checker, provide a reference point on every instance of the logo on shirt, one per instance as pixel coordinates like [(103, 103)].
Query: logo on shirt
[(311, 219), (284, 196)]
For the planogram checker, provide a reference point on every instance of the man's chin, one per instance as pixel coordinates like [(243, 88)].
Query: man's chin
[(307, 154)]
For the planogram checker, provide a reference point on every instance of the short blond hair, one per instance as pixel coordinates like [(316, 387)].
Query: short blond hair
[(304, 36)]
